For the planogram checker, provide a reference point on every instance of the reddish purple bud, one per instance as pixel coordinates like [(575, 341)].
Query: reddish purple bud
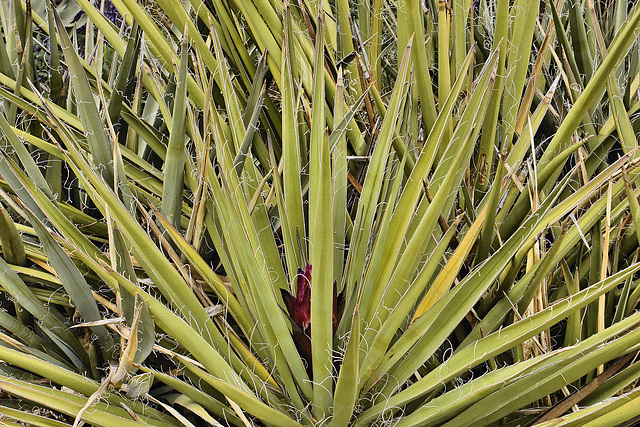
[(299, 307), (338, 306)]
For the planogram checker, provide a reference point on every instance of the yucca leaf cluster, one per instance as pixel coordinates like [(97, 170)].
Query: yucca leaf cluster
[(229, 212)]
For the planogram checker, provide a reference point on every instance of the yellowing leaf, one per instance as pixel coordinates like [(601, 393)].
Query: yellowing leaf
[(443, 282)]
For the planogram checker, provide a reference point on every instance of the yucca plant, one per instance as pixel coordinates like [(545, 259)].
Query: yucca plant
[(334, 213)]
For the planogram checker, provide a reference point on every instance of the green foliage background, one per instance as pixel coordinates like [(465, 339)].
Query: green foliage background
[(461, 176)]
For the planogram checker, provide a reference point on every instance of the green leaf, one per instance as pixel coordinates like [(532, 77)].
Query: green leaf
[(172, 193), (195, 395), (32, 419), (49, 317), (99, 144), (25, 156), (126, 72), (346, 393), (293, 223), (613, 411), (75, 285), (12, 246), (247, 402), (101, 414), (321, 242), (502, 340), (367, 207)]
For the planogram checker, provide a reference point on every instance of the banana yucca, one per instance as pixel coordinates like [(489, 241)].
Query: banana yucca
[(234, 212)]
